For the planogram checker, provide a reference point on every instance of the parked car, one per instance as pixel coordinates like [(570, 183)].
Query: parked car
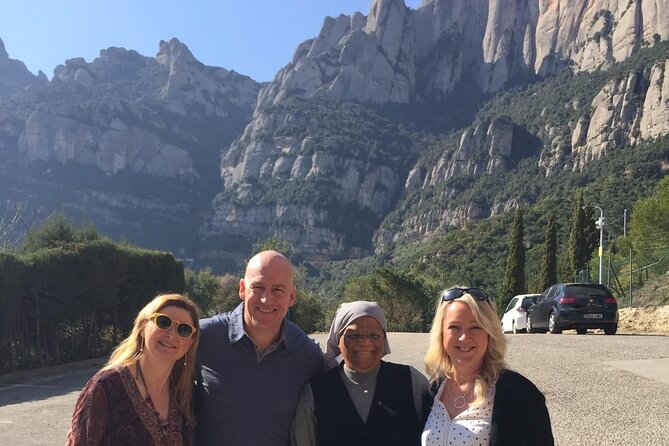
[(578, 306), (513, 319)]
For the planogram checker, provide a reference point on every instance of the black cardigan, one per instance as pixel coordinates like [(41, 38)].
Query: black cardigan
[(519, 415)]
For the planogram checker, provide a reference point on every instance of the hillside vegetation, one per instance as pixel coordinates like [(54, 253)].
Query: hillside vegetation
[(475, 254)]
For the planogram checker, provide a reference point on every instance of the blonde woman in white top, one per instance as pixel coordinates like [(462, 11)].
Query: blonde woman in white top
[(478, 401)]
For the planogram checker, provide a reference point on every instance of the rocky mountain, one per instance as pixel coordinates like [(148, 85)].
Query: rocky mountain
[(385, 128), (425, 58), (14, 76), (397, 54), (126, 141)]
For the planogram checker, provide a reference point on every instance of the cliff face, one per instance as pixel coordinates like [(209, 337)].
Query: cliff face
[(624, 112), (485, 149), (122, 139), (134, 100), (348, 180), (326, 154), (495, 42), (398, 55)]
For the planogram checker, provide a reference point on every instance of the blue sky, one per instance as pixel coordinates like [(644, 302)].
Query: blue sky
[(252, 37)]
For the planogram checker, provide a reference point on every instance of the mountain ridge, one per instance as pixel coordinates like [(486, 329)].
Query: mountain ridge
[(369, 137)]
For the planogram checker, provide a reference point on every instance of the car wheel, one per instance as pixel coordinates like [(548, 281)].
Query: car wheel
[(581, 330), (513, 327), (611, 330), (553, 325), (529, 324)]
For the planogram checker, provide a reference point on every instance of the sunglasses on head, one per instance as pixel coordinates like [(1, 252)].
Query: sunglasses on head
[(164, 322), (455, 293)]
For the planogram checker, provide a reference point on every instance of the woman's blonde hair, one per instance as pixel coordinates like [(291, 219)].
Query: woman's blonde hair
[(437, 362), (131, 349)]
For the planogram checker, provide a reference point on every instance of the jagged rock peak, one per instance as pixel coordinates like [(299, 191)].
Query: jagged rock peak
[(118, 53), (369, 60), (3, 52), (383, 12), (14, 76), (172, 50), (193, 85), (494, 43)]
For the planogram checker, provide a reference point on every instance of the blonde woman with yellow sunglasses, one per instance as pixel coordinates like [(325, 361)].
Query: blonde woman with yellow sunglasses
[(143, 395)]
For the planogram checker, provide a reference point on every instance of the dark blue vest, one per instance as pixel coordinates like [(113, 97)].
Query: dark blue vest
[(392, 419)]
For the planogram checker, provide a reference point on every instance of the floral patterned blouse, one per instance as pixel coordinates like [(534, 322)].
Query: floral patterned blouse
[(111, 411)]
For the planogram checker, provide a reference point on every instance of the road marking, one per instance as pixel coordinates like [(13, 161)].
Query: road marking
[(657, 369), (6, 422), (36, 386)]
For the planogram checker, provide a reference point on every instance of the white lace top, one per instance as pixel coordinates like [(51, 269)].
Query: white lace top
[(469, 428)]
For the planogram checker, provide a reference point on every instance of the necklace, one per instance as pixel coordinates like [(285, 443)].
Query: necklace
[(140, 376), (459, 398), (459, 401)]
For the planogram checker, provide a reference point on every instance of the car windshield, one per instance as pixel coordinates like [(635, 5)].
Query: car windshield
[(585, 291)]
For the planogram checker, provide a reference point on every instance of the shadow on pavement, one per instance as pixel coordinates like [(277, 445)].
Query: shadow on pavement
[(40, 384)]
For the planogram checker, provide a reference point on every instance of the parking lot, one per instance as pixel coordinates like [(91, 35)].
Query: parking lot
[(600, 390)]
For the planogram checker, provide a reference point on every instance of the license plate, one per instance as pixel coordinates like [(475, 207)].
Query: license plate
[(592, 316)]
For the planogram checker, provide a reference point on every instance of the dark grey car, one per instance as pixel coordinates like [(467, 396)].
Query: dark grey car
[(578, 306)]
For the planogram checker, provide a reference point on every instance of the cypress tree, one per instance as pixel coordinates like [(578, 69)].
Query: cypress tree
[(548, 273), (579, 248), (514, 278)]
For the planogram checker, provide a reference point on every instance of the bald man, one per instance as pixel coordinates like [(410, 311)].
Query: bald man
[(252, 362)]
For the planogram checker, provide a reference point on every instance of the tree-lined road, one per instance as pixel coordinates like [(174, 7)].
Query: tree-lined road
[(601, 390)]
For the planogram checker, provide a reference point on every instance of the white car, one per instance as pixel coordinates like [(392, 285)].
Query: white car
[(513, 319)]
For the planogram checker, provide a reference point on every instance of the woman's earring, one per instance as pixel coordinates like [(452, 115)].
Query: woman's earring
[(141, 345)]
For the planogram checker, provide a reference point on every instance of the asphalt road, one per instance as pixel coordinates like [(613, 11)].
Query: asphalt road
[(600, 390)]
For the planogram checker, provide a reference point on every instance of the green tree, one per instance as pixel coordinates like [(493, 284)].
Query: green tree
[(213, 294), (274, 243), (203, 288), (649, 225), (548, 272), (649, 229), (229, 297), (580, 244), (514, 277), (405, 300), (57, 230), (307, 312)]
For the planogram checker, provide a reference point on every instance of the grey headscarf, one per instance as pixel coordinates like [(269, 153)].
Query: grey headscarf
[(347, 313)]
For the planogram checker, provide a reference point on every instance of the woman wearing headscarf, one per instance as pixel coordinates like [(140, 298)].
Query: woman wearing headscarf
[(361, 399)]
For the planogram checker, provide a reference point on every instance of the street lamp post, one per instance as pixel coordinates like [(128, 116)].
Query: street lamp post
[(600, 225)]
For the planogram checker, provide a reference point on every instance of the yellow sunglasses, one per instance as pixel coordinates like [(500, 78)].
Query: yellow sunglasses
[(164, 322)]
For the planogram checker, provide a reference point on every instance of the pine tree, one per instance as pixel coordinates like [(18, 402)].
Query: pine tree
[(548, 273), (514, 278)]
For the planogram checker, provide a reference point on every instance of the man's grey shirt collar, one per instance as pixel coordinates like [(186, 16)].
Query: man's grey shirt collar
[(236, 328)]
